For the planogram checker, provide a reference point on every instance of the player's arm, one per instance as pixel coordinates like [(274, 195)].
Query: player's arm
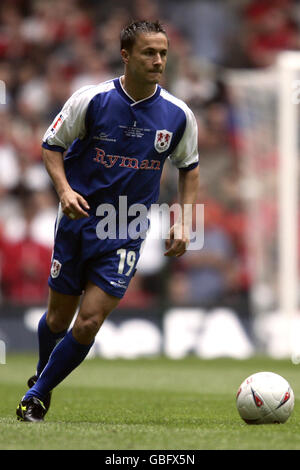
[(73, 204), (69, 124), (179, 236), (185, 158)]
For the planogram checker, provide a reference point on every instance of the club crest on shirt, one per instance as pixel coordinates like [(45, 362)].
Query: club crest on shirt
[(55, 268), (162, 140)]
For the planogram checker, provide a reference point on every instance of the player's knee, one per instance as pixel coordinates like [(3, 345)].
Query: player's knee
[(57, 322), (61, 310), (87, 326)]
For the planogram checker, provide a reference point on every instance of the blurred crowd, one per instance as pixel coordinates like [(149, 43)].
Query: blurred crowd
[(50, 48)]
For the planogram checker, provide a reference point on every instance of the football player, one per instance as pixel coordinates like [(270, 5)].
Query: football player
[(109, 140)]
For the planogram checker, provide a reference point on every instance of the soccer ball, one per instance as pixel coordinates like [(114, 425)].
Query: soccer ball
[(264, 398)]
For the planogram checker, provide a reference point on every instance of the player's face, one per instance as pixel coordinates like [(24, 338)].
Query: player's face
[(148, 57)]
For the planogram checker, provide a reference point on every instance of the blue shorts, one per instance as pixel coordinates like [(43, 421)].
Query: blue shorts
[(80, 256)]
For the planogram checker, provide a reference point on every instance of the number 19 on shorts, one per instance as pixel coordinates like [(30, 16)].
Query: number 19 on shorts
[(127, 261)]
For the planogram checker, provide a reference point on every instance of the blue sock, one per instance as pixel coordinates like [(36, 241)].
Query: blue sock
[(47, 342), (66, 356)]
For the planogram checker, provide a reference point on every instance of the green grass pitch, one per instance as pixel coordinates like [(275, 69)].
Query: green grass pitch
[(145, 404)]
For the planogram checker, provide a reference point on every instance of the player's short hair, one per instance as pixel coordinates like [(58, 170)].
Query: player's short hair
[(129, 33)]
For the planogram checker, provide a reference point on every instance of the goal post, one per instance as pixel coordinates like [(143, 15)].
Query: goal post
[(288, 153), (266, 105)]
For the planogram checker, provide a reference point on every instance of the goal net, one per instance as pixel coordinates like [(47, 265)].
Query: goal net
[(266, 107)]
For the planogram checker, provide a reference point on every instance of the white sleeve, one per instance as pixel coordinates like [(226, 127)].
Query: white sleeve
[(69, 124), (186, 152)]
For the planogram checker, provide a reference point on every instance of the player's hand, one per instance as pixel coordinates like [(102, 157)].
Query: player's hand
[(177, 242), (74, 205)]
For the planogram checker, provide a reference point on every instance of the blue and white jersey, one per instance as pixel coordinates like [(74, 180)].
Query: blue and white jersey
[(117, 146)]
